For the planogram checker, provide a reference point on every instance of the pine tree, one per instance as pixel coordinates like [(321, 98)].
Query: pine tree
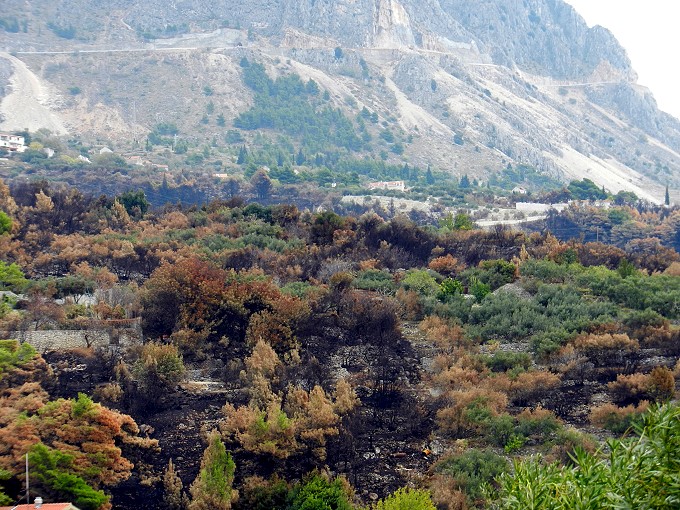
[(212, 488), (464, 182), (174, 496), (667, 200)]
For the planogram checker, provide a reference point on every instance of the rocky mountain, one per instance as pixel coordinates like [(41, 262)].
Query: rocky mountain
[(472, 84)]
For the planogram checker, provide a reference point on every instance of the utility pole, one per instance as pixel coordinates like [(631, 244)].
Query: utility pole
[(28, 495)]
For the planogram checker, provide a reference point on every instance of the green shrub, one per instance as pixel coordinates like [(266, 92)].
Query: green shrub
[(449, 287), (406, 499), (317, 492), (634, 472), (479, 290), (420, 281), (375, 280), (11, 277), (473, 469), (296, 289), (515, 443), (503, 361)]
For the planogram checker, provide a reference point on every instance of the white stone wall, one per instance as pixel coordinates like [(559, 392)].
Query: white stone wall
[(531, 207), (53, 340)]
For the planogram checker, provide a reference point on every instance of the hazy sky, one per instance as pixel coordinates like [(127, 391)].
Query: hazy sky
[(649, 31)]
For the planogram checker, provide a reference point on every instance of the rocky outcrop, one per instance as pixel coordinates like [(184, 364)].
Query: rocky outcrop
[(473, 85), (639, 107), (546, 37)]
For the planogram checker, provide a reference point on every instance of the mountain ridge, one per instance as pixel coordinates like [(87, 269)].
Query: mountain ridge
[(523, 82)]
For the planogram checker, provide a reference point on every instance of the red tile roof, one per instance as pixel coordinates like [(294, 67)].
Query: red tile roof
[(45, 506)]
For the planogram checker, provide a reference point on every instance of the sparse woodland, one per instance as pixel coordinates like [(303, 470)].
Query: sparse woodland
[(296, 360)]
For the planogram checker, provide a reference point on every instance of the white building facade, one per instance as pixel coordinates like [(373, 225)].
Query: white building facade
[(12, 143)]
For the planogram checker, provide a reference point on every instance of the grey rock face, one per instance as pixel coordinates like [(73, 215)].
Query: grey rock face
[(545, 37), (640, 108)]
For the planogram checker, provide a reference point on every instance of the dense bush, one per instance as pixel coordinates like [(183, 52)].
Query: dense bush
[(375, 280), (472, 470), (504, 360), (637, 472)]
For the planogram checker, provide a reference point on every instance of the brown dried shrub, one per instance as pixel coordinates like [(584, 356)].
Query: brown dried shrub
[(628, 388), (615, 418), (446, 265), (446, 335), (446, 495), (459, 418), (606, 349), (532, 386), (410, 301), (658, 386)]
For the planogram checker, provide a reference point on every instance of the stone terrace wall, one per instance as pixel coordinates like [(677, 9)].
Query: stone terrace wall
[(54, 340)]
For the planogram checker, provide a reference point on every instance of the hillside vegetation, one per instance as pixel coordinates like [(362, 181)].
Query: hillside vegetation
[(310, 360)]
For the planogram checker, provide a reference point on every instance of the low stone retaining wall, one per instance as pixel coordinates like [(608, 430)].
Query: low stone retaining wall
[(54, 340)]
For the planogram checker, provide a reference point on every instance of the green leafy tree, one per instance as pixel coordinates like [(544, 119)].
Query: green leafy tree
[(4, 498), (212, 489), (262, 184), (586, 190), (429, 178), (11, 277), (135, 203), (5, 223), (53, 469), (462, 222), (242, 155)]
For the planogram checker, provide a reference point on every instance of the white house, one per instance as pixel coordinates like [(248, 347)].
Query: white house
[(393, 185), (12, 143)]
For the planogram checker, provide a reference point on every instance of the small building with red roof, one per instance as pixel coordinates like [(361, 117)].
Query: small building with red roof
[(41, 506)]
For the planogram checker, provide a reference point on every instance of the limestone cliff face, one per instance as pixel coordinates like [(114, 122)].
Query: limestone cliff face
[(513, 81), (391, 25), (544, 37)]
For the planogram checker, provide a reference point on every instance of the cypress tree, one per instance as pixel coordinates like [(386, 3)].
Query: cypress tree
[(212, 488), (174, 496), (429, 178)]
